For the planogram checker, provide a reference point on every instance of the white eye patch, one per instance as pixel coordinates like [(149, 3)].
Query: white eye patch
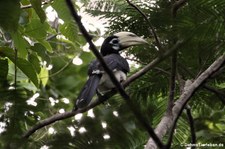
[(115, 43)]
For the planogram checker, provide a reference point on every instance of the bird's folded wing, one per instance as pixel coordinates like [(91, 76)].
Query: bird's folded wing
[(113, 61)]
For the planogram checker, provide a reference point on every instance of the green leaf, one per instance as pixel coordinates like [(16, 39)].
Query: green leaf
[(20, 43), (36, 29), (70, 31), (25, 66), (44, 75), (9, 14), (36, 4)]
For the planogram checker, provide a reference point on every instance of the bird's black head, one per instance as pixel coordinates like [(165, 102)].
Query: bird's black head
[(120, 41)]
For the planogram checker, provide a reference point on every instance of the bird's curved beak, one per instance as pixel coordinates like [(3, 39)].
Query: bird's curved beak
[(127, 39)]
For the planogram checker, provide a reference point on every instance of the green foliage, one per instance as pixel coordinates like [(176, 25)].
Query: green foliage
[(38, 78), (25, 66)]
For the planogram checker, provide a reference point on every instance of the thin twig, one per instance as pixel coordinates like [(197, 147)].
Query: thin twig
[(51, 37), (111, 75), (149, 23), (192, 127), (61, 69), (172, 83), (15, 71), (169, 111)]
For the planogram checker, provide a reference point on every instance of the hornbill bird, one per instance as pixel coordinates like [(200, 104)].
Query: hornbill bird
[(98, 80)]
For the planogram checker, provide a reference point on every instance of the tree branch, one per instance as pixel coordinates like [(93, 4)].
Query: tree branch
[(172, 83), (149, 23), (61, 116), (169, 112), (180, 104)]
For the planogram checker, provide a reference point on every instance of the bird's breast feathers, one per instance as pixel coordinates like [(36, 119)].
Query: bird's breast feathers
[(106, 84)]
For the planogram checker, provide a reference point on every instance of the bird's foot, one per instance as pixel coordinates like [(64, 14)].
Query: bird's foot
[(75, 108), (100, 97)]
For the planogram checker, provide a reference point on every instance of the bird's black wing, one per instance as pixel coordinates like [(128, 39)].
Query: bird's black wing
[(113, 61)]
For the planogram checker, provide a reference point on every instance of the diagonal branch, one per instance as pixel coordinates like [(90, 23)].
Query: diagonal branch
[(190, 88), (119, 87), (58, 117)]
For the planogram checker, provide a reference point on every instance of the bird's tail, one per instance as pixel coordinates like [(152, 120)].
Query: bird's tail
[(88, 91)]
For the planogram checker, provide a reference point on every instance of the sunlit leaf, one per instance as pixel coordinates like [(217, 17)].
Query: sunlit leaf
[(44, 76), (70, 31), (62, 10)]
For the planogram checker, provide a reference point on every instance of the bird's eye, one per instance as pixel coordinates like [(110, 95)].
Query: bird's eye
[(114, 41)]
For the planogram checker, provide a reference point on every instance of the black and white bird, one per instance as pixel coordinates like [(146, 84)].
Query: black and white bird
[(110, 50)]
